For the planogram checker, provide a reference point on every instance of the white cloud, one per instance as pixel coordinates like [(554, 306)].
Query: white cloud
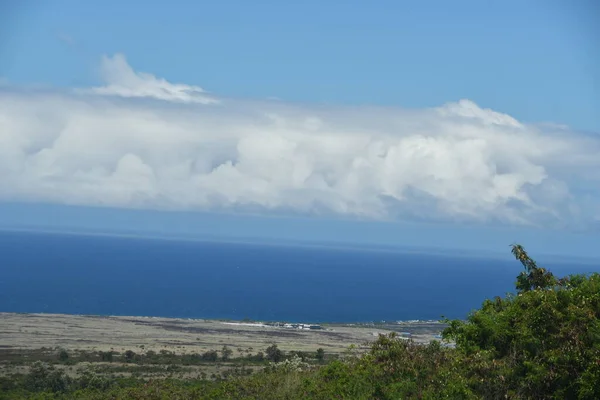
[(122, 80), (140, 141)]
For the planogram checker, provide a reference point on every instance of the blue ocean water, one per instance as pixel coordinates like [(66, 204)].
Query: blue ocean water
[(84, 274)]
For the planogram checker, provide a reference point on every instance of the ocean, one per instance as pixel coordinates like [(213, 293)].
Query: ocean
[(104, 275)]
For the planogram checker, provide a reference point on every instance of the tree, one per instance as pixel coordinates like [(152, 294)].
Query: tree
[(63, 355), (533, 277), (259, 357), (106, 356), (226, 353), (211, 355), (320, 354), (542, 343), (273, 353), (45, 378), (129, 355)]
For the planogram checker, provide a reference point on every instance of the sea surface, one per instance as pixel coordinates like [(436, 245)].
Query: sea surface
[(104, 275)]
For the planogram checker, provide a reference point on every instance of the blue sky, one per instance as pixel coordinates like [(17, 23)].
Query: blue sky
[(536, 60), (485, 114)]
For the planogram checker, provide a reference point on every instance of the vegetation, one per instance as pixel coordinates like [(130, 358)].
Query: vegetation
[(541, 342), (63, 355), (226, 353), (274, 354), (320, 354)]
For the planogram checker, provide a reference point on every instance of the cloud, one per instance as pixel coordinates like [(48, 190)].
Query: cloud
[(122, 80), (143, 142)]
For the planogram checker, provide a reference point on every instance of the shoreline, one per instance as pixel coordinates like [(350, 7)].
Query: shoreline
[(185, 336), (236, 321)]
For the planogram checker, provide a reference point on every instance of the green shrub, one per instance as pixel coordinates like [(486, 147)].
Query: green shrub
[(543, 342)]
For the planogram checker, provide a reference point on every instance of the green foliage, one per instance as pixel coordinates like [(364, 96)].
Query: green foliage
[(210, 356), (274, 354), (533, 277), (292, 364), (226, 353), (542, 343), (320, 354), (63, 355), (46, 378), (393, 369), (90, 380), (258, 357), (106, 356), (129, 356)]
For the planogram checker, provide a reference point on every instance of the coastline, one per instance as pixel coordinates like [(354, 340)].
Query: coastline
[(186, 336)]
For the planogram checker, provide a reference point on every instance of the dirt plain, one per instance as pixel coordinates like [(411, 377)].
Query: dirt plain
[(26, 338), (186, 336)]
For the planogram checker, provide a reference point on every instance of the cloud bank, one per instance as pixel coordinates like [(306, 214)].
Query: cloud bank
[(142, 142)]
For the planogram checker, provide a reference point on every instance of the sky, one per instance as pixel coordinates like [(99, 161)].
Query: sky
[(454, 124)]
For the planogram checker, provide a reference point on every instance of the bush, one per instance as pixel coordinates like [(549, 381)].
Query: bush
[(106, 356), (320, 355), (129, 356), (543, 342), (42, 377), (226, 353), (293, 364), (211, 355), (63, 355), (274, 354)]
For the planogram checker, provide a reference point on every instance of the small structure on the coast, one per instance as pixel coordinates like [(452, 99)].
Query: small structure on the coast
[(303, 326)]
